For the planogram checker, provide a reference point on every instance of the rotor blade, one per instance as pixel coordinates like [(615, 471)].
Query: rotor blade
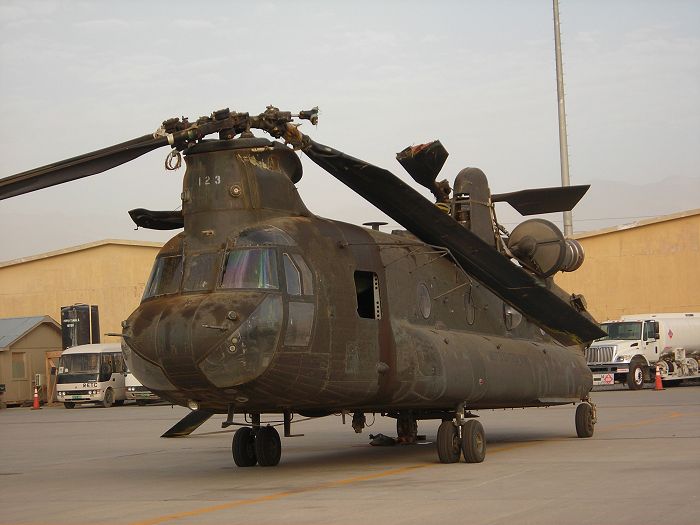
[(157, 220), (543, 200), (422, 218), (78, 167), (188, 424)]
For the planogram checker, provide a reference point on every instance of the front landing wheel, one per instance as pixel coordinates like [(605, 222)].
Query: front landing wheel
[(243, 447), (268, 446), (448, 443), (584, 420)]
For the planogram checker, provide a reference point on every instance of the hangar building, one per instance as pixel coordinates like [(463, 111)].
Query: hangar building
[(648, 266), (111, 274)]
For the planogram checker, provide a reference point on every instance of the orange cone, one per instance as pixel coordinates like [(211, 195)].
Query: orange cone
[(36, 406), (658, 384)]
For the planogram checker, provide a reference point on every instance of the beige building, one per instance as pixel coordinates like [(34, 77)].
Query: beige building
[(649, 266), (111, 274)]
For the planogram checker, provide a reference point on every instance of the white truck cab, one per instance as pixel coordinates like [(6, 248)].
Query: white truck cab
[(637, 344)]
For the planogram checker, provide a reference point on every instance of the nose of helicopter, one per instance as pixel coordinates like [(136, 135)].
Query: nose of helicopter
[(199, 340)]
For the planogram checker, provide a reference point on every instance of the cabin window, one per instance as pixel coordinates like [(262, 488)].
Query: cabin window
[(165, 277), (200, 271), (511, 317), (19, 368), (251, 268), (299, 324), (424, 301), (367, 290)]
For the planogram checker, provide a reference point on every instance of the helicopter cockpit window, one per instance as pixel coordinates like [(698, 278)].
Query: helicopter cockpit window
[(200, 271), (165, 277), (298, 275), (251, 268), (266, 235)]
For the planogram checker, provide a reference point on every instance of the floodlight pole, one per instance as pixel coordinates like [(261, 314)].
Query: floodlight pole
[(563, 145)]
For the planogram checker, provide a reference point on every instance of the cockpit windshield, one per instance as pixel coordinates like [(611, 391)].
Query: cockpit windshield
[(251, 268), (165, 277), (631, 330)]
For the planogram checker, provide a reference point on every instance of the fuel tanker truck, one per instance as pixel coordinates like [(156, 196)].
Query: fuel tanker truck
[(637, 344)]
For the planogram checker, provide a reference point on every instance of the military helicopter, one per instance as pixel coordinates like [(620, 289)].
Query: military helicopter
[(260, 307)]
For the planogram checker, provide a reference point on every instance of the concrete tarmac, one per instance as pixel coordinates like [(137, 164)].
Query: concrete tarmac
[(109, 466)]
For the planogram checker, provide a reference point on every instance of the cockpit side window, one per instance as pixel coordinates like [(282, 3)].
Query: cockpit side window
[(292, 276), (165, 277), (254, 268)]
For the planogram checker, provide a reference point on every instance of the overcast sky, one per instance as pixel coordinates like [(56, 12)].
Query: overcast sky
[(480, 76)]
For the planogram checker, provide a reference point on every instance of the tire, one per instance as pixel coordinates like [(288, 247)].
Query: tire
[(584, 420), (473, 442), (69, 404), (635, 377), (448, 443), (243, 447), (109, 398), (268, 447)]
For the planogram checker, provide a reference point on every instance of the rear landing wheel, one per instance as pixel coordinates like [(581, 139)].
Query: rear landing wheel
[(473, 442), (448, 443), (584, 420), (243, 447), (268, 447)]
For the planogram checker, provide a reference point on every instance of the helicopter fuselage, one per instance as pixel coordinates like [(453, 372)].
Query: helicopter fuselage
[(261, 306)]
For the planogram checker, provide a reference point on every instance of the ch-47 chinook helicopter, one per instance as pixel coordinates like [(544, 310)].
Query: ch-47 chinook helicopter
[(260, 307)]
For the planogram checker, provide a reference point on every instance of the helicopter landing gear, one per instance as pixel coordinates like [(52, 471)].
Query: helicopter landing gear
[(406, 429), (585, 418), (257, 445), (459, 436)]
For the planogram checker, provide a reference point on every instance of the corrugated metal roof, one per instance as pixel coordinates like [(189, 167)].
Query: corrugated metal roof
[(14, 328)]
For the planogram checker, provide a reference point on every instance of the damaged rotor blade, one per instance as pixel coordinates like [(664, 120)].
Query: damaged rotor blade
[(78, 167), (422, 218), (543, 200)]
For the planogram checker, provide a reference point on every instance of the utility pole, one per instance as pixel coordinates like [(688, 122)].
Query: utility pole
[(563, 145)]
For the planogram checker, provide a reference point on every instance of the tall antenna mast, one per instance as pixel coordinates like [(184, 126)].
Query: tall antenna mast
[(563, 145)]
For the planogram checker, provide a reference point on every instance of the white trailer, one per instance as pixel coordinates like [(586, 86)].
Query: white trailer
[(637, 344)]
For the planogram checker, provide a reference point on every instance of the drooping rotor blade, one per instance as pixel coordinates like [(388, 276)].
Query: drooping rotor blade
[(409, 208), (157, 220), (78, 167), (543, 200), (188, 424)]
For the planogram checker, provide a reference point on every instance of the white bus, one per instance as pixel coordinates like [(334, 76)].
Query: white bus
[(92, 374)]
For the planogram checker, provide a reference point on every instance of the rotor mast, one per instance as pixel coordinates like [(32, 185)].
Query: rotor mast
[(563, 145)]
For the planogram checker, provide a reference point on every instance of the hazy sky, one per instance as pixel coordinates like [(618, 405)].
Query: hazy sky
[(480, 76)]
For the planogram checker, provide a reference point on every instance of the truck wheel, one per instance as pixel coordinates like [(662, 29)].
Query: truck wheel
[(635, 377), (109, 398), (448, 443), (68, 404), (584, 420)]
